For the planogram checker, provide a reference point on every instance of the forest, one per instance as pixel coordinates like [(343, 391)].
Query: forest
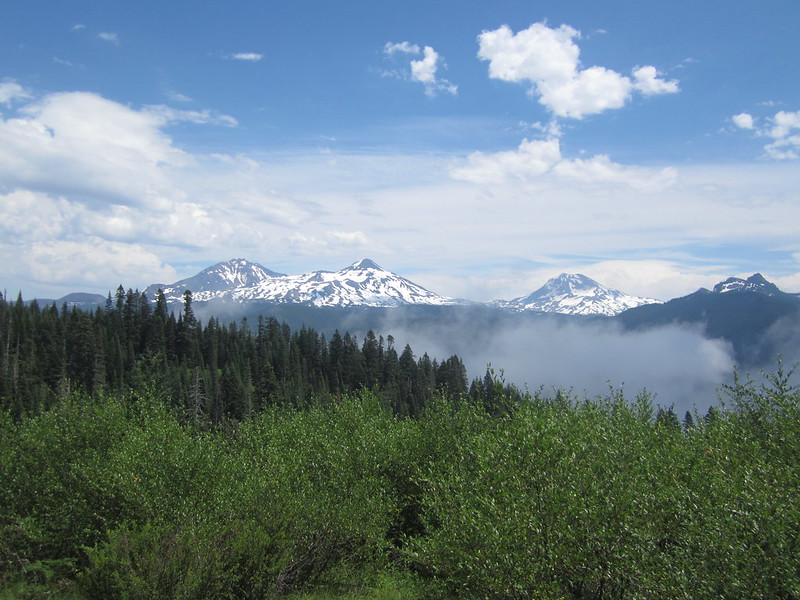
[(216, 372), (149, 456)]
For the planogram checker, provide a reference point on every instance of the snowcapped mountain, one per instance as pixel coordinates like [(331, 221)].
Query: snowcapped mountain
[(216, 280), (363, 283), (575, 295), (755, 283)]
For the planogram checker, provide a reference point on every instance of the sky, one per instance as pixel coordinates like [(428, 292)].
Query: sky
[(476, 148)]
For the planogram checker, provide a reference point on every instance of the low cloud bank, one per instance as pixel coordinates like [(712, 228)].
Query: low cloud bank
[(677, 365)]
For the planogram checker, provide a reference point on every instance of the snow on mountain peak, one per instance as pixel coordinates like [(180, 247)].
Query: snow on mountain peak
[(363, 283), (576, 294), (212, 281), (365, 263), (754, 283)]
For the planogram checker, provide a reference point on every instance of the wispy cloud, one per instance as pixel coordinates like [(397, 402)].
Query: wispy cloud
[(405, 47), (247, 56), (11, 91), (549, 60), (201, 117), (64, 62), (177, 96), (108, 36)]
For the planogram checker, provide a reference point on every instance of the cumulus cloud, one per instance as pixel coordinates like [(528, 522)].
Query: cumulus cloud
[(549, 60), (743, 121), (646, 80), (79, 143), (27, 216), (82, 143), (10, 91), (423, 70), (783, 128), (531, 159), (535, 158)]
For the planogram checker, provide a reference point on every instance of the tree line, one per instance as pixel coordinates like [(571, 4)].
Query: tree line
[(212, 371)]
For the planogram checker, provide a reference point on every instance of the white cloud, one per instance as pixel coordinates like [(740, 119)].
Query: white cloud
[(65, 63), (600, 169), (423, 71), (783, 128), (549, 59), (783, 123), (10, 91), (248, 56), (404, 47), (94, 262), (27, 216), (82, 175), (743, 121), (201, 117), (177, 96), (648, 83), (81, 143), (349, 238), (107, 36), (539, 157), (531, 159)]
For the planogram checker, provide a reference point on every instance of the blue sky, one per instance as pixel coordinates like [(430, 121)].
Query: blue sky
[(476, 148)]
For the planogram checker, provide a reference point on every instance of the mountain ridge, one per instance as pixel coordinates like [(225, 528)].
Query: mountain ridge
[(364, 283)]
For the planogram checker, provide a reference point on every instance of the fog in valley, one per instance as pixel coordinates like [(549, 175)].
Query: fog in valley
[(677, 365)]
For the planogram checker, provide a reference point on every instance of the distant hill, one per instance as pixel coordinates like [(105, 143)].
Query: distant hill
[(744, 312)]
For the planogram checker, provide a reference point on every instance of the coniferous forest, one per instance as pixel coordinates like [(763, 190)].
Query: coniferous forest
[(149, 456), (213, 371)]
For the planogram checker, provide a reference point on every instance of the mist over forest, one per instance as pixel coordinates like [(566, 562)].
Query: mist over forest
[(676, 364)]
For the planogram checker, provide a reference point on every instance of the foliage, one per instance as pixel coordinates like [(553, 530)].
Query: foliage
[(123, 496)]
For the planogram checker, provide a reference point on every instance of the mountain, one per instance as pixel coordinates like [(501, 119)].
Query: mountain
[(215, 281), (752, 314), (575, 295), (82, 300), (755, 283), (364, 283)]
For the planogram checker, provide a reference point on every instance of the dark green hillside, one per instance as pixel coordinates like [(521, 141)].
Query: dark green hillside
[(743, 318)]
